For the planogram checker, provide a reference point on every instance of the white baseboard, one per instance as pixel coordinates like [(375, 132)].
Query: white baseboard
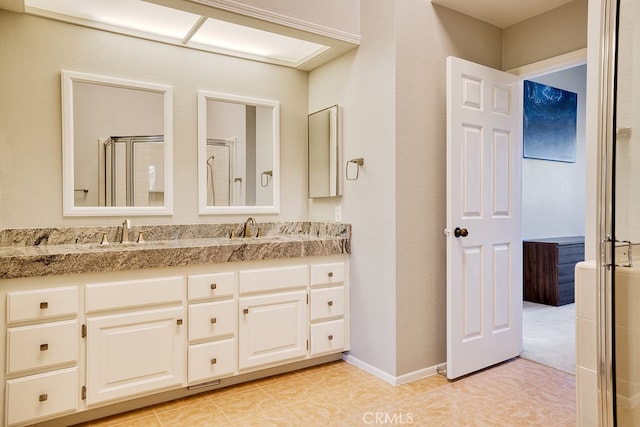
[(628, 402), (393, 380)]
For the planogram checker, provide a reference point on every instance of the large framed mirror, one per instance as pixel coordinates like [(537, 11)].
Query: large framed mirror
[(238, 154), (325, 153), (117, 137)]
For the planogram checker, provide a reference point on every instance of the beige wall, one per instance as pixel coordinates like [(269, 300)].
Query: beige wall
[(34, 50), (550, 34), (393, 95)]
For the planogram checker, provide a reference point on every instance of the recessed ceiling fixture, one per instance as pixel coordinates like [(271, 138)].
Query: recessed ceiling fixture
[(136, 17)]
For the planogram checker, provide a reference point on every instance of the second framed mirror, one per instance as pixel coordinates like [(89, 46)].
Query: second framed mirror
[(238, 154)]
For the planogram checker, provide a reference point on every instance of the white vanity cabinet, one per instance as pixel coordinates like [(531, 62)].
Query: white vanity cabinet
[(135, 338), (329, 298), (212, 326), (99, 341), (272, 315), (42, 354)]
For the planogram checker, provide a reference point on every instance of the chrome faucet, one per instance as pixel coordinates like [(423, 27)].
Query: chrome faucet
[(247, 228), (125, 231)]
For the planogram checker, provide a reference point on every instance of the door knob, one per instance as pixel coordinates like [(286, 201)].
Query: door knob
[(460, 232)]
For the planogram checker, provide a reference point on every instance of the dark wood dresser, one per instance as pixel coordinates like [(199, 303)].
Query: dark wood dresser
[(549, 269)]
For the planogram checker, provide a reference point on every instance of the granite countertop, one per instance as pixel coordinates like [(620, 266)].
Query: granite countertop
[(47, 252)]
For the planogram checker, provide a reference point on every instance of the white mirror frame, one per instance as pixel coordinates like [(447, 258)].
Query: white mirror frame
[(69, 208), (204, 209)]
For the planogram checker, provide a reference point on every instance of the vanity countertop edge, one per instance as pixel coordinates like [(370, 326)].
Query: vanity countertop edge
[(21, 258)]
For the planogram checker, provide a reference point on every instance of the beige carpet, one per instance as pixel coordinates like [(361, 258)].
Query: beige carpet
[(548, 335)]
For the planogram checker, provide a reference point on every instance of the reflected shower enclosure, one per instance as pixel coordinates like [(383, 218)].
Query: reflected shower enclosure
[(221, 154), (132, 172)]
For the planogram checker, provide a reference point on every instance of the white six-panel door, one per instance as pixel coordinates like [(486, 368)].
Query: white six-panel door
[(484, 256)]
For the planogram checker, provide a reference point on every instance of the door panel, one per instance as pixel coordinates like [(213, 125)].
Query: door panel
[(484, 259)]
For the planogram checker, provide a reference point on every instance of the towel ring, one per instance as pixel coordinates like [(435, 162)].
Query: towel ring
[(358, 162)]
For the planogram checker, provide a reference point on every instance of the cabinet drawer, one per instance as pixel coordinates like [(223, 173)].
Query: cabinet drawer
[(134, 293), (40, 346), (211, 360), (327, 302), (40, 396), (322, 274), (211, 320), (208, 286), (327, 337), (41, 304), (267, 279)]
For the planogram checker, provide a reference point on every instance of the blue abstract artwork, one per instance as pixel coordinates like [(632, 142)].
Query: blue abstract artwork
[(549, 127)]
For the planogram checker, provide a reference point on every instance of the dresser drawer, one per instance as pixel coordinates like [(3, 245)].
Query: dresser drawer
[(41, 304), (134, 293), (327, 303), (269, 279), (208, 286), (40, 346), (40, 396), (211, 320), (322, 274), (327, 337), (211, 360)]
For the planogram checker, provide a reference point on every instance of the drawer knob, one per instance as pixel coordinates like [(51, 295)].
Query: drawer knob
[(330, 303), (179, 322), (214, 320), (213, 286), (330, 274), (44, 347), (43, 397), (245, 311), (214, 361), (330, 337), (44, 305)]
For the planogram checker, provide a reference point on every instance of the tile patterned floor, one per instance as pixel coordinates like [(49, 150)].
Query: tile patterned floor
[(516, 393)]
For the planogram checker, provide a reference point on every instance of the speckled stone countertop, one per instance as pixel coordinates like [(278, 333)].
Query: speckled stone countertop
[(36, 252)]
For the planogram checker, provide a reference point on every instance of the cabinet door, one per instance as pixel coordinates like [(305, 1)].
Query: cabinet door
[(272, 328), (134, 353)]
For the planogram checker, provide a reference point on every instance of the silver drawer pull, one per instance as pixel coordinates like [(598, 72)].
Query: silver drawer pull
[(330, 303), (330, 337), (213, 286), (44, 305), (44, 347), (43, 397), (330, 274), (214, 320), (214, 361)]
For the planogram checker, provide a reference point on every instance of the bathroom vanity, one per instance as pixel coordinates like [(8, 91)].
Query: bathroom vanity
[(93, 330)]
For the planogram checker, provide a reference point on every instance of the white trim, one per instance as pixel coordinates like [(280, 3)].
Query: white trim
[(277, 18), (393, 380), (550, 65)]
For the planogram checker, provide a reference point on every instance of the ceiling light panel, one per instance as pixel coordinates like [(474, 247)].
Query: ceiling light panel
[(131, 14), (225, 35)]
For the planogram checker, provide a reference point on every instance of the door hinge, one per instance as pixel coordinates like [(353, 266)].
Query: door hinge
[(307, 344), (307, 299), (83, 394), (83, 332), (618, 252)]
